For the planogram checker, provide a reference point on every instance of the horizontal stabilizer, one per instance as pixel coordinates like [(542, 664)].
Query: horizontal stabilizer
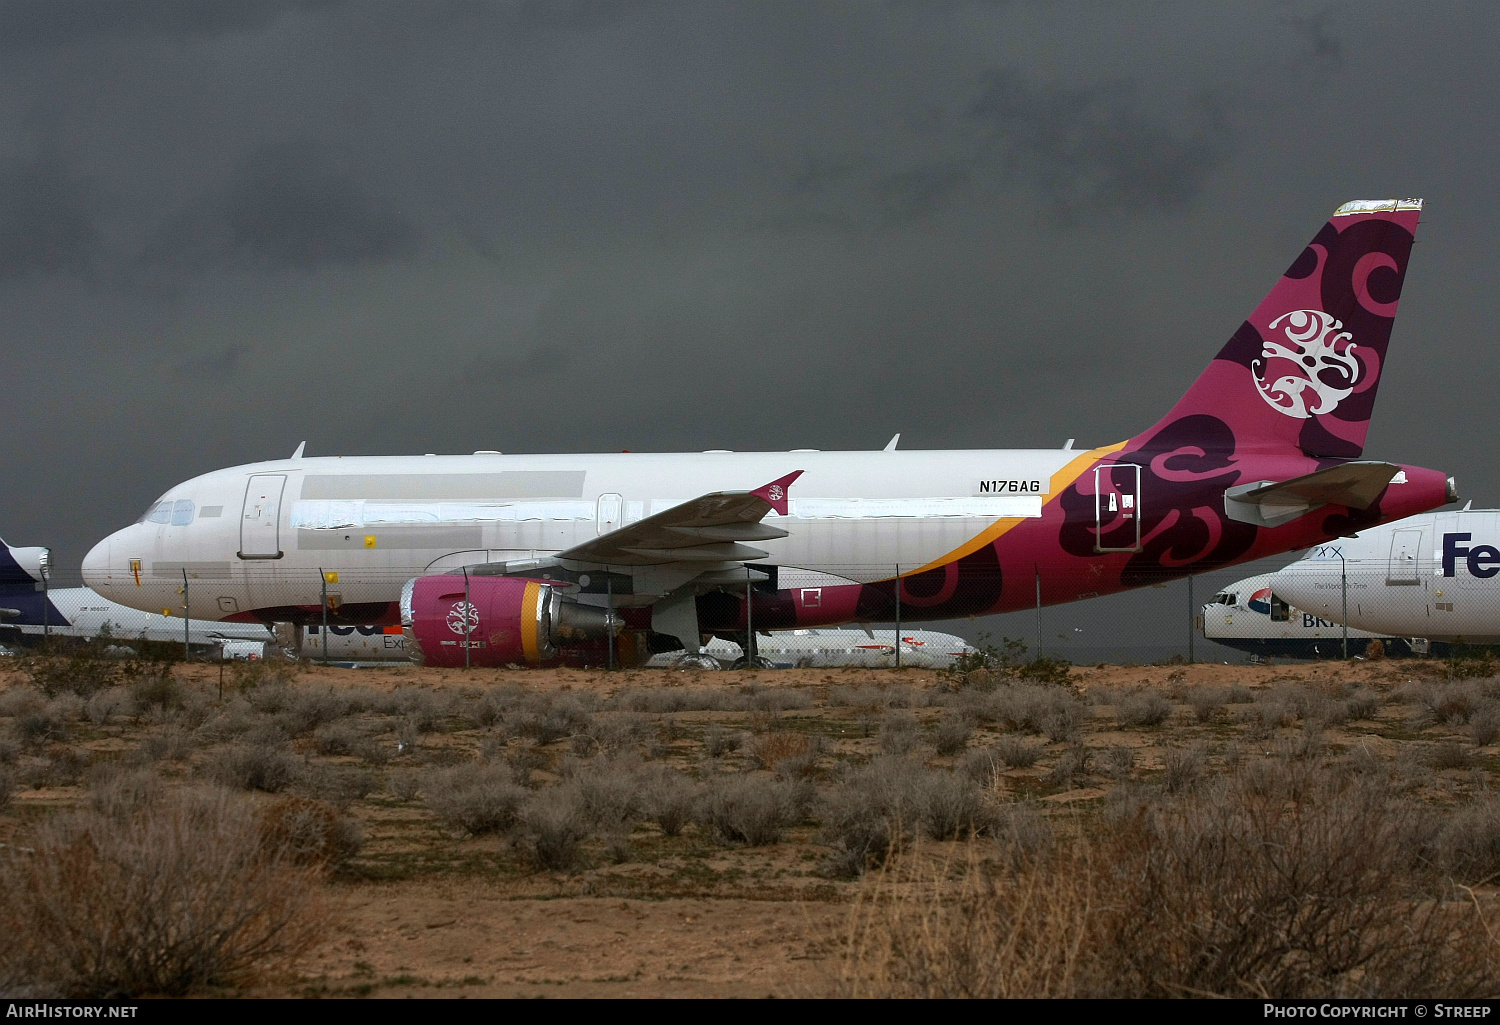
[(1271, 503)]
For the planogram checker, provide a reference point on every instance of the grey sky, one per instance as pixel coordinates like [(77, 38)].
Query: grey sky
[(551, 226)]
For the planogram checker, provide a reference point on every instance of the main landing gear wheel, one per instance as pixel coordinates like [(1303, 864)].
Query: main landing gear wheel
[(699, 661), (761, 662)]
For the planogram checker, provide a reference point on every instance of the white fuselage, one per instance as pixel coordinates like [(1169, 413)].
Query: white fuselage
[(85, 614), (1245, 615), (1433, 576), (277, 534), (835, 648)]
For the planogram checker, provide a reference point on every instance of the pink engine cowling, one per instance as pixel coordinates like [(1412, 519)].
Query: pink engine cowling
[(505, 620)]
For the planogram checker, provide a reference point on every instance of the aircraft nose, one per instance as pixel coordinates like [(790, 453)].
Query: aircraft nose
[(96, 565)]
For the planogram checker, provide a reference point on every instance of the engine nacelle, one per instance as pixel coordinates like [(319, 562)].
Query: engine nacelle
[(510, 620), (25, 567)]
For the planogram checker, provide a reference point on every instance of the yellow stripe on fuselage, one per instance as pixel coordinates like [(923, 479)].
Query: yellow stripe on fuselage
[(1061, 481), (529, 598)]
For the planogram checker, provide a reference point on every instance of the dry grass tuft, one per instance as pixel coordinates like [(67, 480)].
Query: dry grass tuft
[(172, 898)]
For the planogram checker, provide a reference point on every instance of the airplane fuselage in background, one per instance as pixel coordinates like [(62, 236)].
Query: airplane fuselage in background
[(1435, 576)]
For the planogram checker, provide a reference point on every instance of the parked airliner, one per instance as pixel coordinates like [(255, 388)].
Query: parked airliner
[(837, 649), (30, 611), (1249, 616), (496, 559), (1432, 576)]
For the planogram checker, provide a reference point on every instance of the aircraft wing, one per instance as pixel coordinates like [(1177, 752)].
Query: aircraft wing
[(708, 529), (1272, 503)]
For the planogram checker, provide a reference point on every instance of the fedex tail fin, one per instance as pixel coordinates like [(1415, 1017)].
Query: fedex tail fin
[(1302, 372)]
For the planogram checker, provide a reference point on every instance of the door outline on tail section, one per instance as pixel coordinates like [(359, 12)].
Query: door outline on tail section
[(260, 517), (610, 508), (1117, 493), (1401, 569)]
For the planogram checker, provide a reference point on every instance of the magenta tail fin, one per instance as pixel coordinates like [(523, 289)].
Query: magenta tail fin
[(1302, 372)]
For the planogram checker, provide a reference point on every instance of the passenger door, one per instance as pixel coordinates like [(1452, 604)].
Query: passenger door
[(260, 523)]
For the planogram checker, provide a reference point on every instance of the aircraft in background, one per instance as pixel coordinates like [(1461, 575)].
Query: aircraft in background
[(1430, 577), (837, 649), (1248, 616), (29, 611), (495, 559)]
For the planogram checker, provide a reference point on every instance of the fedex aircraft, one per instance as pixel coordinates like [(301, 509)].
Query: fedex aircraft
[(1426, 577), (29, 610), (1250, 616), (497, 559)]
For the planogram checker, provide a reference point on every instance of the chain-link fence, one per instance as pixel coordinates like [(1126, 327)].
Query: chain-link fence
[(1224, 616)]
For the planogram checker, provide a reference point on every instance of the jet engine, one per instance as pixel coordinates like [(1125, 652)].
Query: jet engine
[(503, 620), (26, 566)]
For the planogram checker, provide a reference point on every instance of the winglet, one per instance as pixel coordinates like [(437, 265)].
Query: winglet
[(774, 493), (891, 445), (298, 454)]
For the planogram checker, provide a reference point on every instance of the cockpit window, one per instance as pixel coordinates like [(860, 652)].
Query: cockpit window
[(178, 513), (1226, 598)]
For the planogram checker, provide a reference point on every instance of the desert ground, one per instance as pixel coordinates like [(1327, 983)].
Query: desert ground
[(690, 833)]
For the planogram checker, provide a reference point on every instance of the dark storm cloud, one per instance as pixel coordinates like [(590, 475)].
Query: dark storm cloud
[(1096, 146), (27, 24), (286, 208), (48, 219)]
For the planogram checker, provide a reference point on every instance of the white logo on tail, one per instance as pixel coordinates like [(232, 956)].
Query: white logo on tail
[(776, 493), (1314, 372)]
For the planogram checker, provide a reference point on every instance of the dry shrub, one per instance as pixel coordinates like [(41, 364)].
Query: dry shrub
[(1149, 709), (952, 735), (770, 749), (1484, 727), (253, 767), (117, 792), (8, 783), (718, 742), (1207, 703), (1449, 755), (310, 832), (179, 896), (1282, 890), (1017, 753), (668, 800), (747, 810), (1182, 765), (899, 733), (1375, 650), (554, 825), (472, 797)]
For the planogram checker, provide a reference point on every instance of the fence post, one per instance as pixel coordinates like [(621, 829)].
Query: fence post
[(187, 620), (1038, 610), (749, 622), (1344, 591), (323, 584), (898, 615), (1192, 609)]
